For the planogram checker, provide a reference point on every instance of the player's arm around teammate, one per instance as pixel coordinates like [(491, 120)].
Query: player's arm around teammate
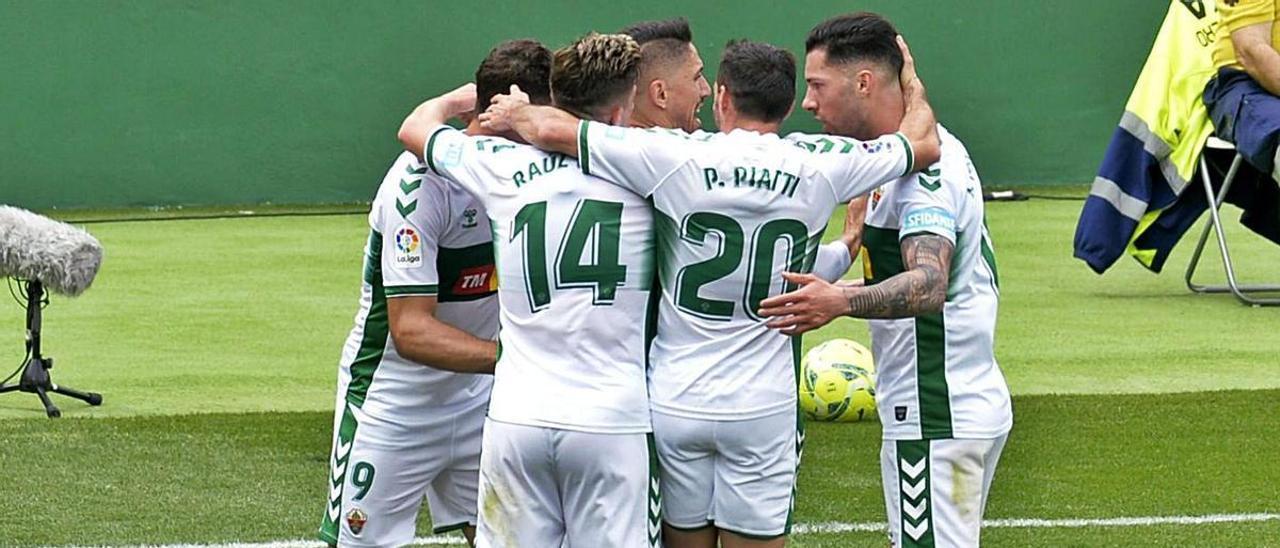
[(406, 426), (565, 459), (931, 299), (920, 289), (433, 112), (554, 129), (416, 332)]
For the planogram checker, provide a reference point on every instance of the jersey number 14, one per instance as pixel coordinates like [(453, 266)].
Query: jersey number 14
[(592, 220)]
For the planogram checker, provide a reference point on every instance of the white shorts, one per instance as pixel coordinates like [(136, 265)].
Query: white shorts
[(739, 476), (561, 488), (935, 491), (380, 470)]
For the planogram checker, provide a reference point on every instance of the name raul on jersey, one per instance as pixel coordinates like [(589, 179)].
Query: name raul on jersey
[(549, 163), (773, 180)]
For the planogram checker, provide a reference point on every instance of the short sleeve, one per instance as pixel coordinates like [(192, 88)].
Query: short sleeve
[(1242, 13), (455, 156), (856, 167), (413, 213), (926, 205), (635, 159)]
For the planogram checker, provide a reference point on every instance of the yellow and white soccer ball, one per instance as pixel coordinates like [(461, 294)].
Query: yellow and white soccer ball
[(838, 382)]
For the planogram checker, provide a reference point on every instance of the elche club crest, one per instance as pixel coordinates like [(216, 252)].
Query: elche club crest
[(876, 195), (356, 519)]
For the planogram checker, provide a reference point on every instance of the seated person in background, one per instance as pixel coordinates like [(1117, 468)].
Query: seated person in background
[(1244, 97)]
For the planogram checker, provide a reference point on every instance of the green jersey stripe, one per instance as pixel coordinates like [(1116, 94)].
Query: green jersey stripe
[(411, 290), (338, 476), (376, 329), (989, 257), (953, 272), (931, 377), (428, 153), (584, 154), (884, 253), (911, 153), (654, 497), (914, 476)]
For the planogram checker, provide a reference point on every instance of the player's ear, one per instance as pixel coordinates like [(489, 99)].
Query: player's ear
[(863, 81), (657, 91)]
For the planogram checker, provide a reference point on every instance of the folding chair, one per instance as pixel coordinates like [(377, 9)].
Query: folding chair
[(1242, 292)]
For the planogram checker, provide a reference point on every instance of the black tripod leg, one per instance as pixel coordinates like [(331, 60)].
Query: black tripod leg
[(49, 409), (9, 388), (92, 398)]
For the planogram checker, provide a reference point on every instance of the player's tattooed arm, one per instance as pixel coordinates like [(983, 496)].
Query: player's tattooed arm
[(547, 128), (921, 289), (919, 125), (416, 128)]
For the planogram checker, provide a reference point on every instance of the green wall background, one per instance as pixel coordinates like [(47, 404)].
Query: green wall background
[(115, 103)]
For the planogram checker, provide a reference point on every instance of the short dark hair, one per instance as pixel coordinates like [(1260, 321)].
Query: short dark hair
[(760, 77), (660, 41), (644, 32), (594, 72), (525, 63), (855, 37)]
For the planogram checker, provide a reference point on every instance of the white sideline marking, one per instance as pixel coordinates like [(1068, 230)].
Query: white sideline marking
[(838, 527), (830, 527)]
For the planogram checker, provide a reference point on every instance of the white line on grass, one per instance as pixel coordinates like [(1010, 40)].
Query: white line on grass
[(838, 527), (831, 527)]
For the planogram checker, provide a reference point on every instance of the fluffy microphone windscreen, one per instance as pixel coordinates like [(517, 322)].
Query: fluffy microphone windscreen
[(33, 247)]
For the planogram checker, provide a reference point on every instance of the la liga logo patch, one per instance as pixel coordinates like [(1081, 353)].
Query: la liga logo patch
[(408, 248), (876, 147)]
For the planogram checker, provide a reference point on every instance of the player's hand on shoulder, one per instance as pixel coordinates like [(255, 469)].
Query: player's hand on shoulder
[(501, 108)]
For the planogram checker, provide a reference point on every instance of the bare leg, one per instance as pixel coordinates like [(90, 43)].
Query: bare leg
[(697, 538), (469, 531), (730, 540)]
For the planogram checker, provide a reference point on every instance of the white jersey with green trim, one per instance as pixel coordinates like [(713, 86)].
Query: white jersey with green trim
[(427, 238), (575, 269), (937, 375), (732, 212)]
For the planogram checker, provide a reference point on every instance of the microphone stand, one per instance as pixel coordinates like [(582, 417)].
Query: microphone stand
[(35, 372)]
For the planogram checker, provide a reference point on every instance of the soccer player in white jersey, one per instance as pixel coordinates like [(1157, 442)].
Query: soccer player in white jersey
[(566, 456), (733, 211), (931, 295), (410, 406), (671, 88)]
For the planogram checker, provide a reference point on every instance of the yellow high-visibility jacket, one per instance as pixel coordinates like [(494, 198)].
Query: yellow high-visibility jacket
[(1154, 150)]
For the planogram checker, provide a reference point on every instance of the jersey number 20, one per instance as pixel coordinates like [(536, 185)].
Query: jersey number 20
[(733, 244)]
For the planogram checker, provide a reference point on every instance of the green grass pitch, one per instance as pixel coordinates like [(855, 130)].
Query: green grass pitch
[(215, 342)]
